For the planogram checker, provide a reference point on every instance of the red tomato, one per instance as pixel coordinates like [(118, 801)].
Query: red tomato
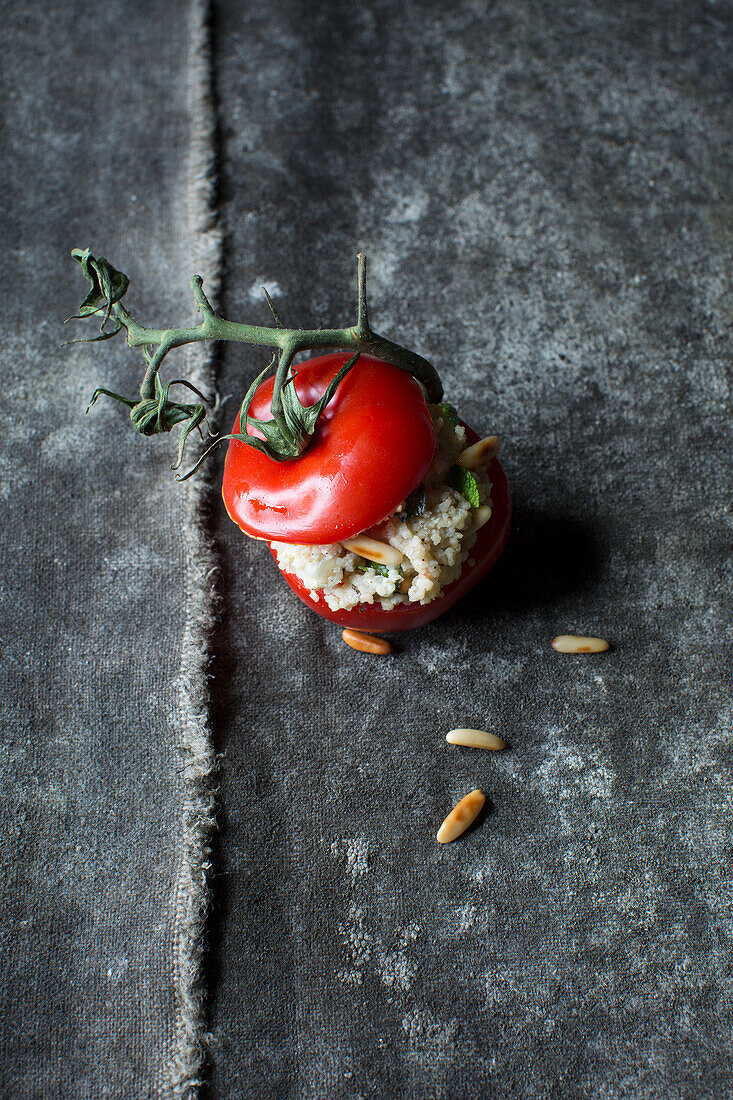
[(373, 445), (490, 542)]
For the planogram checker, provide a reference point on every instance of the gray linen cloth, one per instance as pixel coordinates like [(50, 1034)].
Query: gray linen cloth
[(99, 550), (543, 191)]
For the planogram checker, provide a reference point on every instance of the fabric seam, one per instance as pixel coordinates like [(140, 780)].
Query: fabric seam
[(188, 1068)]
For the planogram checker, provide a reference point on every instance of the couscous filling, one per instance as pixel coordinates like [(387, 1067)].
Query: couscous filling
[(433, 531)]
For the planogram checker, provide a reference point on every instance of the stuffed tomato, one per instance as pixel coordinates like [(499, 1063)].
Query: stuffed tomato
[(395, 510)]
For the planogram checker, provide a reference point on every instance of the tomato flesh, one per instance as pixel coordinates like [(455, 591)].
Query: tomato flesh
[(490, 542), (373, 445)]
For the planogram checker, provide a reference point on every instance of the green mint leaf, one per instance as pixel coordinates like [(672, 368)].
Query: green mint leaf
[(382, 570), (415, 503), (464, 482), (449, 414)]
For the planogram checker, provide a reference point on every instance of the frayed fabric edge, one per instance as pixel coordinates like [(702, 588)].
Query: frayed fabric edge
[(188, 1071)]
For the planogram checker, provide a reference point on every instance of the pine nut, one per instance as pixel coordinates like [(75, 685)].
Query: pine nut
[(366, 643), (374, 550), (572, 643), (475, 739), (461, 817), (478, 454), (480, 516)]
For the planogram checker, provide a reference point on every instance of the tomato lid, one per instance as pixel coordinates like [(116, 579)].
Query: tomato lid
[(373, 445)]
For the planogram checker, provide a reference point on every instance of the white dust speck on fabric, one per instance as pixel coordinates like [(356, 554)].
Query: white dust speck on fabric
[(425, 1031), (116, 970), (601, 682), (259, 286), (356, 853), (470, 918), (566, 772), (359, 941), (484, 872), (350, 977), (396, 970), (409, 933), (390, 961)]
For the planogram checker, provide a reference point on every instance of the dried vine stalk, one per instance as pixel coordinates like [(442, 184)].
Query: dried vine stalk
[(293, 425)]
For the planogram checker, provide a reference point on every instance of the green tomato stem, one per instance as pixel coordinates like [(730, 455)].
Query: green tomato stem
[(289, 432)]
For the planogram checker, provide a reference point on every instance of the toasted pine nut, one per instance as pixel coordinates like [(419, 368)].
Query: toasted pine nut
[(481, 515), (366, 643), (571, 643), (461, 817), (374, 550), (475, 739), (478, 454)]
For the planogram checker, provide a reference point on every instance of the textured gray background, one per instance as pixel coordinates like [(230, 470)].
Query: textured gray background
[(544, 193), (92, 605)]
